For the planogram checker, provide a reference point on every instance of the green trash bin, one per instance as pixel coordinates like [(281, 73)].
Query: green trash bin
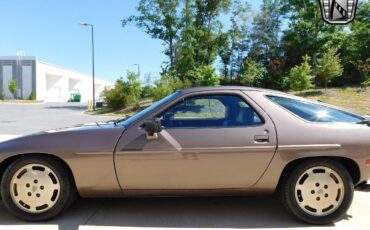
[(76, 97)]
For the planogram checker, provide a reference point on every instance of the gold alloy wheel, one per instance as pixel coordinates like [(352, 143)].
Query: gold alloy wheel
[(319, 191), (35, 188)]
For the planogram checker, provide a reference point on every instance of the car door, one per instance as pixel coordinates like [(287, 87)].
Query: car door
[(210, 140)]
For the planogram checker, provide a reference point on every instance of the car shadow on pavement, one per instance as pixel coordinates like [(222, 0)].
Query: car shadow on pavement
[(68, 107), (215, 212)]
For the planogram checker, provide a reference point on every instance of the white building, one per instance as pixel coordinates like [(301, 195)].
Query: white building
[(49, 82)]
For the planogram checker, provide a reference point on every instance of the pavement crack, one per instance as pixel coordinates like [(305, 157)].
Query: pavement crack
[(100, 206)]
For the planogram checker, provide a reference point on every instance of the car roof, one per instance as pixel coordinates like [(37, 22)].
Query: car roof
[(242, 88)]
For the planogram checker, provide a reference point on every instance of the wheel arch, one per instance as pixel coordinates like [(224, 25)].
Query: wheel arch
[(349, 164), (6, 162)]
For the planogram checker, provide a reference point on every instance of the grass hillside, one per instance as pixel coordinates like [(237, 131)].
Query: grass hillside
[(354, 99)]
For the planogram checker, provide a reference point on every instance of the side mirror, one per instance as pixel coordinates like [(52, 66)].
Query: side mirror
[(152, 128)]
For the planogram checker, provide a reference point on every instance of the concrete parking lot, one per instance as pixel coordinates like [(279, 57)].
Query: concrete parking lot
[(22, 119), (254, 212)]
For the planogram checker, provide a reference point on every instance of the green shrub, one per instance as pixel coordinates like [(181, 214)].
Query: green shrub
[(253, 72), (13, 87), (32, 96), (300, 77), (124, 93)]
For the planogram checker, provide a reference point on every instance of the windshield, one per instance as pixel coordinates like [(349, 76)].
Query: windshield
[(151, 108)]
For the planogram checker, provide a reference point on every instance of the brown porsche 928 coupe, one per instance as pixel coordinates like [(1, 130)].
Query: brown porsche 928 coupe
[(198, 141)]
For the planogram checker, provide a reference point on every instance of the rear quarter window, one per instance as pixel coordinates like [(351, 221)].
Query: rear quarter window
[(314, 112)]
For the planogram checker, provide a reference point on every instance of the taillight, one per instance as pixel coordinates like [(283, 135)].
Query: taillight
[(367, 162)]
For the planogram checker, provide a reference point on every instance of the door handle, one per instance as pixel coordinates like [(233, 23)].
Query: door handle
[(261, 138)]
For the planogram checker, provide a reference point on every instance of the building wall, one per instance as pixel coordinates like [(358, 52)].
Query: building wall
[(50, 82), (54, 80), (21, 69)]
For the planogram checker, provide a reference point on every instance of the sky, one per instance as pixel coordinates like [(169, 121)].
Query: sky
[(50, 30)]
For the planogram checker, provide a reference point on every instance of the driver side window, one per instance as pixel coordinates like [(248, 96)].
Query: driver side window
[(210, 111)]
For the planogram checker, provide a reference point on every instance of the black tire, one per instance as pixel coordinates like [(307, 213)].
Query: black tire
[(287, 192), (65, 198)]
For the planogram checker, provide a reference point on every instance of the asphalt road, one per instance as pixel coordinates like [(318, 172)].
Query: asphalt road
[(255, 212), (22, 119)]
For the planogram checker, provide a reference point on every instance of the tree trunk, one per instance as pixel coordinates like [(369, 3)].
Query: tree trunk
[(171, 53), (314, 69)]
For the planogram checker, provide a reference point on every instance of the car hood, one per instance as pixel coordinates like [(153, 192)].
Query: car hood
[(101, 137), (84, 127)]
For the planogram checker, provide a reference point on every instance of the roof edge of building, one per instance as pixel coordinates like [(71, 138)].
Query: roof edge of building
[(72, 70)]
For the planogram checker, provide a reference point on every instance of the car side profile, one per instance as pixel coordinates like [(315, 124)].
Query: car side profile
[(197, 141)]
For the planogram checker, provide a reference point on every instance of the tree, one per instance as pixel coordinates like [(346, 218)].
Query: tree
[(253, 72), (132, 88), (300, 76), (364, 68), (185, 60), (236, 46), (307, 32), (159, 19), (13, 87), (201, 35), (146, 91), (265, 45), (355, 49), (329, 66)]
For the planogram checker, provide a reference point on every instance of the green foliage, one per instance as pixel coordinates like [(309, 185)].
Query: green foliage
[(190, 29), (124, 93), (13, 87), (366, 83), (203, 76), (253, 72), (364, 68), (265, 33), (132, 88), (168, 84), (253, 48), (300, 77), (329, 66), (159, 19), (32, 96)]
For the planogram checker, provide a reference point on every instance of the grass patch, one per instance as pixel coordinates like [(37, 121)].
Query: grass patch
[(351, 98)]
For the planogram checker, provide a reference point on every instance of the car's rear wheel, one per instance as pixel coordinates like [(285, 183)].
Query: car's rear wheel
[(36, 188), (317, 191)]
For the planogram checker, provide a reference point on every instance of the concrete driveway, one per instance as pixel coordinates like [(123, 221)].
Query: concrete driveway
[(256, 212)]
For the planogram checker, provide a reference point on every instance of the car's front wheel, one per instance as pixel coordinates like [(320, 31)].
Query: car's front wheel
[(36, 188), (317, 191)]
